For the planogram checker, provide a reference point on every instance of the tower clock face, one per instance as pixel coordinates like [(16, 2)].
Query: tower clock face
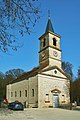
[(55, 53)]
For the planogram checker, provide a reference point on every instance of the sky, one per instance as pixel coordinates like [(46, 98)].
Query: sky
[(65, 18)]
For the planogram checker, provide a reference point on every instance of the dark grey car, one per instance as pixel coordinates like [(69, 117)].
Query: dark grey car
[(16, 106)]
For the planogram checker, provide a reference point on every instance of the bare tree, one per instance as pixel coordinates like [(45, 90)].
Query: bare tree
[(67, 67), (14, 72), (20, 15), (79, 72)]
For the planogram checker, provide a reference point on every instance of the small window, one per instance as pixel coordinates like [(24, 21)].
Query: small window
[(11, 94), (15, 94), (63, 95), (54, 41), (44, 42), (47, 94), (32, 92), (20, 93), (47, 98), (25, 93), (63, 98)]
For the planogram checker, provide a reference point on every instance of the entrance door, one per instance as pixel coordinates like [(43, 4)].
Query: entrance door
[(55, 101)]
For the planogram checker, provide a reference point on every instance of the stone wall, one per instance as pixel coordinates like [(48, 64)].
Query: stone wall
[(24, 88)]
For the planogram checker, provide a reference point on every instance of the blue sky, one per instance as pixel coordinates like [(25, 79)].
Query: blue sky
[(65, 17)]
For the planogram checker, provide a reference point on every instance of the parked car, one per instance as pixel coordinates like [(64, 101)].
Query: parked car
[(16, 106)]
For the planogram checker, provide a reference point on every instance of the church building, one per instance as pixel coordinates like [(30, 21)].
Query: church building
[(46, 85)]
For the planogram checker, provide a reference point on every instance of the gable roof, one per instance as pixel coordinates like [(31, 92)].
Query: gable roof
[(37, 70), (50, 33), (25, 75), (28, 74)]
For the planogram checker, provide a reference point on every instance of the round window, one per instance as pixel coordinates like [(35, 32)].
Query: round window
[(55, 71)]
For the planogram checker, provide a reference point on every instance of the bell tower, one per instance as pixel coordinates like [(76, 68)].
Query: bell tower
[(50, 52)]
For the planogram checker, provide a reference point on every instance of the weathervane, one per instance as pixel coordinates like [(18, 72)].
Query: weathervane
[(48, 13)]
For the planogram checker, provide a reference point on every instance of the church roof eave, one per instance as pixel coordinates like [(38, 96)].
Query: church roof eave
[(50, 33), (27, 75), (55, 67)]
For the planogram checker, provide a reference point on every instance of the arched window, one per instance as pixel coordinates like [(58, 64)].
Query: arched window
[(25, 93), (44, 42), (15, 94), (32, 92), (54, 41), (20, 93), (11, 94)]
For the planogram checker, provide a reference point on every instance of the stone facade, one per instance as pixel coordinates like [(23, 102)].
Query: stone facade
[(47, 85), (25, 91)]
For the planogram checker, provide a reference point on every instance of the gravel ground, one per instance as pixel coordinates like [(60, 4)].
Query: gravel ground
[(39, 114)]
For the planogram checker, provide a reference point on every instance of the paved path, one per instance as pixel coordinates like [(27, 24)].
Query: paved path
[(41, 114)]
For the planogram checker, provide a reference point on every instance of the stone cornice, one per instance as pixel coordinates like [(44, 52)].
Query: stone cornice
[(48, 58), (55, 67), (55, 59), (50, 33), (53, 76), (51, 47)]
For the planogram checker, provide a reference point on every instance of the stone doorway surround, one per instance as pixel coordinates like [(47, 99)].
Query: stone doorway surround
[(55, 92)]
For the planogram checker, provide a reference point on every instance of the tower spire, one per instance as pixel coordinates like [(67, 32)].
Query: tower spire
[(49, 27)]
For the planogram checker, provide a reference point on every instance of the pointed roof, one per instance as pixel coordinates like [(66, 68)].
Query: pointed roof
[(49, 26), (49, 29)]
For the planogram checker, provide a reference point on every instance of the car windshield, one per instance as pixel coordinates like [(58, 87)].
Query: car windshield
[(13, 103)]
